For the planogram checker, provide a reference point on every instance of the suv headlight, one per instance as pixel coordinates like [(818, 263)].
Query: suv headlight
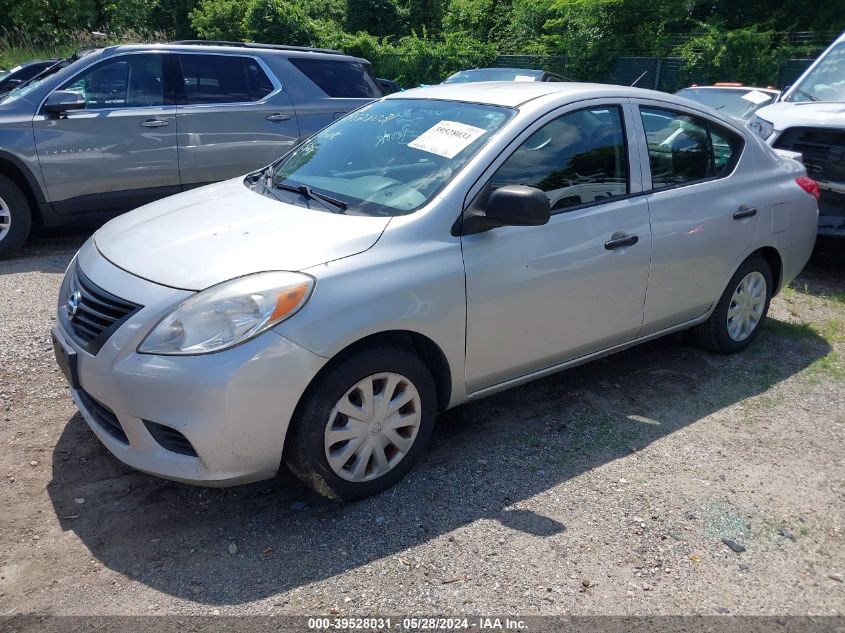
[(229, 313), (762, 128)]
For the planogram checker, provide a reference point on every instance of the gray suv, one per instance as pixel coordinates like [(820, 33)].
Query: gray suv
[(127, 125)]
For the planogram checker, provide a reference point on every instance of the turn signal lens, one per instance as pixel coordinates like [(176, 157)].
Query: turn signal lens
[(809, 185)]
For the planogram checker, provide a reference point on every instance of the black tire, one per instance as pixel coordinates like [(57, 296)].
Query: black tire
[(305, 451), (21, 217), (713, 333)]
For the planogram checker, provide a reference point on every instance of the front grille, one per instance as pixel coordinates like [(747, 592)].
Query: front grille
[(170, 439), (90, 313), (823, 151), (103, 416)]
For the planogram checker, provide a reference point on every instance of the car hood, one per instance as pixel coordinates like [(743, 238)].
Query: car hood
[(804, 114), (205, 236)]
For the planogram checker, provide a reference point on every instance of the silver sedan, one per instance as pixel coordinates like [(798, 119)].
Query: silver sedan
[(429, 249)]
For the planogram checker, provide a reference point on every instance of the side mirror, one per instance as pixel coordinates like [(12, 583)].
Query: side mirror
[(512, 205), (13, 83), (60, 101)]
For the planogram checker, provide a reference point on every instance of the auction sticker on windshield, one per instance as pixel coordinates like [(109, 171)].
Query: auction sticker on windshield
[(447, 138), (756, 97)]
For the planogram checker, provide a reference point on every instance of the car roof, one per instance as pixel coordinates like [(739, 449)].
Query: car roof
[(514, 93), (34, 62), (252, 49), (533, 71), (743, 88)]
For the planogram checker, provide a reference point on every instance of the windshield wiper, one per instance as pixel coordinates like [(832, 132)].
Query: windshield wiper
[(807, 94), (305, 190)]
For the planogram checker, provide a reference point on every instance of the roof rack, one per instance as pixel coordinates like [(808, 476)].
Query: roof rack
[(278, 47)]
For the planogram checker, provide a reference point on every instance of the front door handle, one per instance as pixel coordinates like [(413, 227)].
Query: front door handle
[(621, 242), (154, 123), (744, 212), (278, 116)]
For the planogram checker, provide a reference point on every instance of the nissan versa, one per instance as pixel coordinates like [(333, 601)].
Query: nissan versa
[(425, 250)]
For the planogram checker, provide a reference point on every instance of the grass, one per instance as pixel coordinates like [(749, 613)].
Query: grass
[(17, 47)]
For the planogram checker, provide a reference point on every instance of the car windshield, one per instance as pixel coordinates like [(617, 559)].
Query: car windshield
[(826, 82), (739, 103), (21, 91), (492, 74), (389, 157)]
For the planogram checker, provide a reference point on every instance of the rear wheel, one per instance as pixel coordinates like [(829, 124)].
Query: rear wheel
[(363, 424), (15, 217), (741, 311)]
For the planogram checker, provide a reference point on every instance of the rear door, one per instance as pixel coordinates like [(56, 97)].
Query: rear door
[(120, 151), (703, 205), (233, 116), (325, 87)]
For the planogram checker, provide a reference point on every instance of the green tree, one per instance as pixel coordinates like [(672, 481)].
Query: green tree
[(277, 22), (426, 15), (219, 19), (376, 17)]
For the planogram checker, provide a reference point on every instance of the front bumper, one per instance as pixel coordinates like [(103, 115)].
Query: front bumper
[(233, 407)]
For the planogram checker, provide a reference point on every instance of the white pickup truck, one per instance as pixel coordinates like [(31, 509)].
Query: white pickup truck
[(809, 119)]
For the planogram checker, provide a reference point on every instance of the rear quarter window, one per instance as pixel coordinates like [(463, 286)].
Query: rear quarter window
[(339, 78)]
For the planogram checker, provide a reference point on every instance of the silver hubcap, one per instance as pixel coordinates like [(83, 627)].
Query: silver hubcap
[(746, 307), (5, 219), (372, 427)]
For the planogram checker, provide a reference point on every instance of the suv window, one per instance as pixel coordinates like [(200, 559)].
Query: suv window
[(578, 158), (223, 79), (130, 81), (684, 148), (338, 78)]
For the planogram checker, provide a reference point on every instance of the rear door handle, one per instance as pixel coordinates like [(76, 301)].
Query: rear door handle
[(744, 212), (154, 123), (621, 242), (278, 116)]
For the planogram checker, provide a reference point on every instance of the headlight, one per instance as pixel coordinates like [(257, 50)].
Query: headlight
[(229, 313), (762, 128)]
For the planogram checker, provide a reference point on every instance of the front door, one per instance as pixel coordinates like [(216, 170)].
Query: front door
[(120, 151), (539, 296)]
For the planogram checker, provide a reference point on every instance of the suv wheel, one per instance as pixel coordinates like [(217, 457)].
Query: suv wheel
[(15, 217), (741, 311), (363, 424)]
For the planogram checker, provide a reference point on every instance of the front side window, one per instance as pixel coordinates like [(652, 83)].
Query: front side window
[(223, 79), (131, 81), (578, 158), (684, 148), (389, 157)]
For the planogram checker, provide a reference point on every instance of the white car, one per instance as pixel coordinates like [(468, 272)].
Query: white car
[(809, 120), (426, 250)]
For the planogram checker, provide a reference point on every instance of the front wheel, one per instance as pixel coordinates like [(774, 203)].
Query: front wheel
[(363, 424), (15, 217), (741, 311)]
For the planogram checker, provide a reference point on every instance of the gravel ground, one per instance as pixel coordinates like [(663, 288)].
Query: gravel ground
[(608, 489)]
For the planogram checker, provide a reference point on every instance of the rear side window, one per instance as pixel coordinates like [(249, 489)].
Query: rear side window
[(338, 78), (223, 79), (684, 148)]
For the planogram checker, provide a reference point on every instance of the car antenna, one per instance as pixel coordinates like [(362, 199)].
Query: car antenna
[(638, 78)]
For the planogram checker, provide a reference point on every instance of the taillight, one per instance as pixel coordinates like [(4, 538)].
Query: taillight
[(809, 185)]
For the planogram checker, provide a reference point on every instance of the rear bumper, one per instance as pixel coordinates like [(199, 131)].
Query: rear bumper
[(832, 209)]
